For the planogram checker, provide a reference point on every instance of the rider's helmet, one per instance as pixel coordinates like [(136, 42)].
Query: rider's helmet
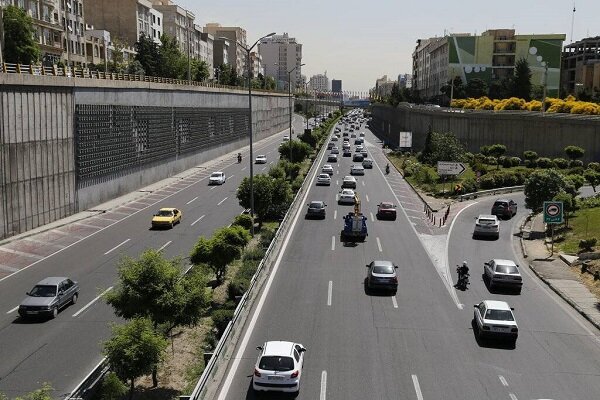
[(464, 264)]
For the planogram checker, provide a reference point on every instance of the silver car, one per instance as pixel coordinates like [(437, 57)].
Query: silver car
[(382, 275), (487, 225), (48, 297), (505, 273)]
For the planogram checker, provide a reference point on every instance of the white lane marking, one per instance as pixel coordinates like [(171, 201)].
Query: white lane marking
[(212, 188), (338, 172), (372, 218), (116, 247), (337, 182), (503, 380), (164, 246), (222, 201), (89, 225), (198, 220), (243, 169), (367, 197), (379, 245), (512, 396), (263, 168), (192, 200), (394, 302), (323, 394), (329, 290), (88, 305), (230, 177), (334, 214), (363, 183), (333, 243), (417, 387), (12, 310), (244, 343)]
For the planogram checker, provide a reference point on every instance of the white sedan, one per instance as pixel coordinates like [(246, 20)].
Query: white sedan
[(217, 178), (500, 272), (324, 179), (327, 169), (279, 367), (347, 196), (349, 182), (260, 159), (495, 319)]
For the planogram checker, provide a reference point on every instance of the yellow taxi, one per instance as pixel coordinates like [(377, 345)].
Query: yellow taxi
[(166, 217)]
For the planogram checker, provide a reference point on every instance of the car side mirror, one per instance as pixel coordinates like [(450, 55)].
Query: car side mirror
[(512, 308), (367, 265), (27, 294), (475, 305), (395, 266), (486, 263), (60, 293), (259, 348), (302, 350)]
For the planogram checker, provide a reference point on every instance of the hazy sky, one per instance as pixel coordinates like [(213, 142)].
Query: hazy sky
[(359, 41)]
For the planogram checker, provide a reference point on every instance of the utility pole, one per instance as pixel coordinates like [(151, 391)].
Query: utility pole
[(1, 36), (189, 72), (545, 88)]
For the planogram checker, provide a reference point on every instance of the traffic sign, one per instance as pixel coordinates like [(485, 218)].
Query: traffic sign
[(450, 168), (405, 140), (553, 212)]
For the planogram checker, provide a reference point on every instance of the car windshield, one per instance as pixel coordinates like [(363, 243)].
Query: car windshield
[(386, 206), (315, 204), (276, 363), (484, 221), (500, 204), (43, 291), (215, 175), (507, 269), (499, 315), (383, 269), (323, 176), (165, 213)]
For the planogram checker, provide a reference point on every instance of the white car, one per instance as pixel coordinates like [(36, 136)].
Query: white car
[(367, 163), (334, 138), (279, 367), (349, 182), (495, 319), (324, 179), (286, 138), (362, 134), (357, 169), (347, 196), (332, 158), (500, 272), (335, 150), (327, 169), (359, 148), (217, 178), (260, 159), (487, 225)]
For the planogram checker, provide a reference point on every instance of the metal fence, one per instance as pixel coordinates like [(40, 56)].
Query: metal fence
[(491, 192)]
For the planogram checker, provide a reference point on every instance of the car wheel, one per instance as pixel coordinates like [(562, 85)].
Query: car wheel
[(54, 312), (519, 291), (74, 299), (172, 225)]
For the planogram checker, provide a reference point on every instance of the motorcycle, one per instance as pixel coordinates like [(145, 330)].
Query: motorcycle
[(463, 280), (387, 169), (239, 158)]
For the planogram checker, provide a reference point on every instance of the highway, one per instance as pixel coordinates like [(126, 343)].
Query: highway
[(418, 344), (62, 351)]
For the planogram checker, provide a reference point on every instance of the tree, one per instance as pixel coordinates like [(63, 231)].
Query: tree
[(112, 387), (574, 152), (476, 88), (136, 68), (569, 204), (300, 150), (200, 72), (496, 151), (147, 54), (117, 62), (263, 195), (172, 64), (522, 80), (530, 155), (270, 83), (282, 198), (456, 92), (501, 88), (592, 177), (441, 147), (395, 97), (20, 46), (542, 185), (135, 349)]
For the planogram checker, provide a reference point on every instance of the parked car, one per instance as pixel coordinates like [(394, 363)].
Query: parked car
[(48, 297), (316, 209), (166, 217), (382, 275), (279, 367), (495, 319), (505, 273), (504, 208), (386, 210), (217, 178), (487, 225)]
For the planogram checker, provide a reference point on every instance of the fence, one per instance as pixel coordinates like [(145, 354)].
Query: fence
[(492, 192)]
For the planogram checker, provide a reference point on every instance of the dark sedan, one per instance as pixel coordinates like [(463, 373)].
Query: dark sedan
[(316, 209), (386, 210)]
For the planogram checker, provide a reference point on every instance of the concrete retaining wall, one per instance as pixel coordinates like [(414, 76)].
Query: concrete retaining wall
[(519, 131), (38, 140)]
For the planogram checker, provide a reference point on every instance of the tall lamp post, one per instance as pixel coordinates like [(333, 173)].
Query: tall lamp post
[(290, 101), (251, 158), (1, 36)]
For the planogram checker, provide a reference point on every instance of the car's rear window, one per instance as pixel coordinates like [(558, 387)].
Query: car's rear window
[(506, 269), (485, 221), (386, 206), (43, 291), (500, 204), (276, 363), (383, 269), (499, 315)]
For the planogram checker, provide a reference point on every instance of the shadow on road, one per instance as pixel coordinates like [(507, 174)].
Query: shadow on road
[(492, 343)]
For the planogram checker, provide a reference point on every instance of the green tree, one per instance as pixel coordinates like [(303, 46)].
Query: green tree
[(574, 152), (135, 349), (147, 54), (300, 150), (542, 185), (522, 80), (530, 155), (270, 83), (592, 177), (112, 387), (200, 72), (263, 195), (20, 46), (395, 97), (282, 198), (441, 147), (172, 64), (135, 68), (501, 88), (569, 204), (476, 88), (456, 92), (117, 62), (496, 151)]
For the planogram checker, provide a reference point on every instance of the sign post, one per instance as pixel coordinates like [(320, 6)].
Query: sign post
[(553, 214)]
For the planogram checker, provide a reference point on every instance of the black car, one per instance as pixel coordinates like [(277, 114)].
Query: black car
[(504, 208), (316, 209), (347, 153)]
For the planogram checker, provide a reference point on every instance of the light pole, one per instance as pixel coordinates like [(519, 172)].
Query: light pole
[(545, 87), (249, 72), (1, 36), (290, 101)]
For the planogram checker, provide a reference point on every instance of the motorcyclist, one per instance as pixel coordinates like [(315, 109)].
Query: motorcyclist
[(387, 169), (463, 272), (239, 157)]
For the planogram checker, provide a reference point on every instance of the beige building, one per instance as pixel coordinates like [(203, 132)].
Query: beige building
[(581, 67), (281, 54), (178, 23), (383, 86), (236, 36), (125, 19), (257, 64)]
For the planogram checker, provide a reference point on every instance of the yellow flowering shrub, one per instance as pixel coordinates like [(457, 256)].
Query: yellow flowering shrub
[(567, 105), (510, 104), (533, 105)]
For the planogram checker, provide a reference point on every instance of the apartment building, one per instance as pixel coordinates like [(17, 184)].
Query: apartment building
[(319, 83), (72, 16), (177, 22), (489, 57), (336, 85), (257, 64), (125, 19), (281, 54), (383, 86), (236, 37), (581, 67)]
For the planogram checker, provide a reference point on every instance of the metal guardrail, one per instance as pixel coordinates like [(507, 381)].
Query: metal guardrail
[(86, 387), (492, 192), (201, 391)]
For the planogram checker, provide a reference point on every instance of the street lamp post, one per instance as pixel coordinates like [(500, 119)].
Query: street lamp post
[(251, 158), (290, 102), (545, 88), (1, 36)]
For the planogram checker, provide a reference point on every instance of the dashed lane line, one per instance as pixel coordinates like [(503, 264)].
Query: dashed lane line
[(329, 293), (394, 302), (503, 380), (117, 246), (88, 305), (415, 380), (323, 393), (164, 246), (198, 220), (222, 201), (333, 243), (192, 200), (379, 245)]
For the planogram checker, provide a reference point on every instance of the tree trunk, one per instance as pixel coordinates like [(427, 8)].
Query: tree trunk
[(131, 388), (154, 376)]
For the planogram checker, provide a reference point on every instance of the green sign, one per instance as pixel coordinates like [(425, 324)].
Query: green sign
[(553, 212)]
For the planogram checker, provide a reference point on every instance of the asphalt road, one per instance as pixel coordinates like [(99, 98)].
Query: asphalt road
[(418, 344), (62, 351)]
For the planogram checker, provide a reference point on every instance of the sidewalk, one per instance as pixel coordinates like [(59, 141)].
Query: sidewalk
[(557, 274)]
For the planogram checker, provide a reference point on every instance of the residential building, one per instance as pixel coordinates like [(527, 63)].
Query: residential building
[(581, 66), (405, 81), (489, 57), (97, 42), (72, 16), (47, 23), (207, 51), (236, 37), (177, 22), (383, 87), (126, 20), (280, 54), (336, 85), (220, 52), (257, 65), (319, 82)]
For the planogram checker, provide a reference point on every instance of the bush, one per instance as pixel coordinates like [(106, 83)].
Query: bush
[(253, 253), (491, 160), (220, 320), (515, 161), (510, 179), (561, 163), (595, 166), (587, 244), (576, 163), (506, 162), (237, 287), (469, 185), (531, 163), (487, 181), (544, 162), (297, 183), (243, 220)]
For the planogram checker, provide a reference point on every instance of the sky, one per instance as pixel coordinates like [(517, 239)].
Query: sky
[(360, 41)]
